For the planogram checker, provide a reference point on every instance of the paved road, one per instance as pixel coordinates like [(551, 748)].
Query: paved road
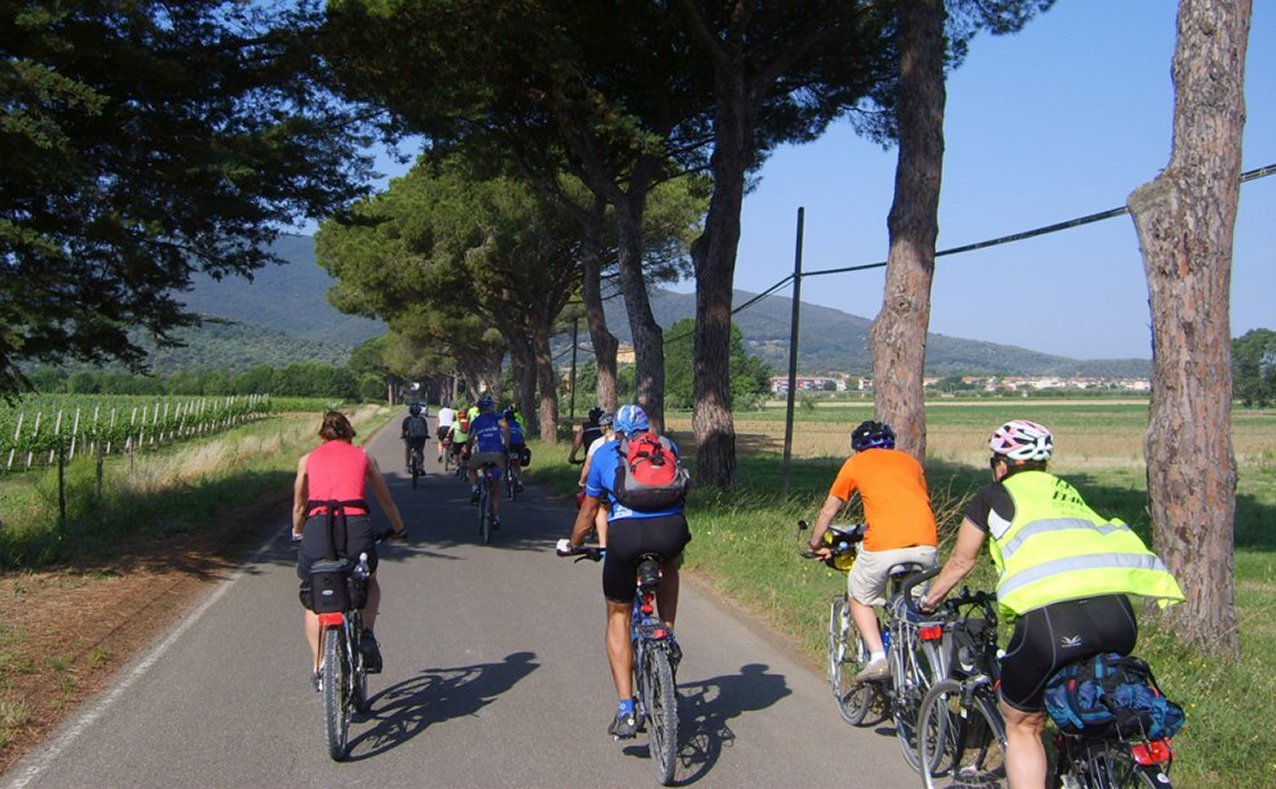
[(494, 676)]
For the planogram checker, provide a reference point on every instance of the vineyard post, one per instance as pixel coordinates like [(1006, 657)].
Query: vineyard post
[(75, 433), (141, 428), (100, 455), (154, 422), (164, 424), (17, 431), (97, 437), (111, 433), (57, 432), (61, 450), (129, 445), (35, 431)]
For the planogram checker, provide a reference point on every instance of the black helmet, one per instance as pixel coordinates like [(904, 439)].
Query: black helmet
[(872, 435), (594, 414)]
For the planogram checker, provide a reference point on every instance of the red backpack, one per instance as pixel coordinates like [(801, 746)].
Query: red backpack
[(650, 476)]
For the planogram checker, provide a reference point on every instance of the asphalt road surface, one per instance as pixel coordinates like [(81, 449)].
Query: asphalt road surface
[(494, 676)]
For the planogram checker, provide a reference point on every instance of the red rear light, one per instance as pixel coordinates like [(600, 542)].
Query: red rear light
[(659, 633), (1147, 753), (331, 620), (930, 633), (646, 608)]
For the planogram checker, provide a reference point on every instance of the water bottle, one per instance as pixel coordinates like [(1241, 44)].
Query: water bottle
[(886, 640), (361, 570)]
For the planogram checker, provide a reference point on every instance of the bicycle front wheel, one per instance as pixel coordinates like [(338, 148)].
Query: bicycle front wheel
[(662, 714), (335, 689), (847, 656), (961, 739)]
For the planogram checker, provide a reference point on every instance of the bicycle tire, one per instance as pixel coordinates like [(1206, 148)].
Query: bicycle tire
[(359, 683), (485, 516), (969, 741), (1105, 765), (916, 669), (662, 713), (847, 655), (336, 713)]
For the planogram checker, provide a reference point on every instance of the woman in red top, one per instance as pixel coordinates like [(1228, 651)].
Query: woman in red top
[(337, 472)]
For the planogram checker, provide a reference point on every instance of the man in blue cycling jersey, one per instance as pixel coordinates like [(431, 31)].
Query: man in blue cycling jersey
[(517, 443), (630, 534), (489, 437)]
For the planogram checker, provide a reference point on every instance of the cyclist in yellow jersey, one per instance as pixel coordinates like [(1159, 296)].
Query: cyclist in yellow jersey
[(1064, 574)]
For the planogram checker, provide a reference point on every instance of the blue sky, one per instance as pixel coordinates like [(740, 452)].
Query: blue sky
[(1063, 119)]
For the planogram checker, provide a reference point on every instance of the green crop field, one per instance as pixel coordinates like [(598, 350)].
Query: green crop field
[(745, 542)]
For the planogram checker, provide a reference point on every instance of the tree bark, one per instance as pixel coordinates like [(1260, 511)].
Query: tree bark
[(524, 361), (714, 256), (547, 382), (898, 335), (603, 341), (649, 348), (1185, 219)]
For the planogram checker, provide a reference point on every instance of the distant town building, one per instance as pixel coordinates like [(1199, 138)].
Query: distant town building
[(808, 383)]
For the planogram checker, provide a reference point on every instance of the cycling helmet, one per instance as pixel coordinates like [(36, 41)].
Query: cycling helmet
[(486, 403), (1022, 441), (606, 419), (630, 419), (510, 413), (872, 435), (414, 409), (594, 414)]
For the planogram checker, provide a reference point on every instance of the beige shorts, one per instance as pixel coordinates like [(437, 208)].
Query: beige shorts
[(866, 582)]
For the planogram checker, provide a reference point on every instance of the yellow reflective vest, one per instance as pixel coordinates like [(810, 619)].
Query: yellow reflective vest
[(1056, 548)]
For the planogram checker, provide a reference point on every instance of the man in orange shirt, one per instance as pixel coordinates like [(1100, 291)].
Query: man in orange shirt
[(898, 527)]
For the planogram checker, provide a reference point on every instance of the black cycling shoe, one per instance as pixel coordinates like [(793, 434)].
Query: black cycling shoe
[(496, 524), (474, 496), (675, 652), (371, 653), (316, 680), (624, 727)]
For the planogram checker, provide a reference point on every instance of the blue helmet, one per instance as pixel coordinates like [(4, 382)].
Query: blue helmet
[(631, 419), (872, 435), (486, 403)]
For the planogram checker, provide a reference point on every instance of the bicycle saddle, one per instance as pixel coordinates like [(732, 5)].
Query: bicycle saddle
[(649, 571), (905, 568)]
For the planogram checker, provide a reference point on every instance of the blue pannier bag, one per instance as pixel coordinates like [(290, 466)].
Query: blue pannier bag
[(1111, 695)]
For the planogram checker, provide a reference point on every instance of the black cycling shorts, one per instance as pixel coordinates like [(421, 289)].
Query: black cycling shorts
[(442, 431), (1047, 638), (360, 538), (416, 443), (628, 539)]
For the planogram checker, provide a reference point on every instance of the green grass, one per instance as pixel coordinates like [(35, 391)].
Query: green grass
[(169, 491), (745, 541)]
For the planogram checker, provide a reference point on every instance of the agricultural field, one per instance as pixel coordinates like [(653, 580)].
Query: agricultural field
[(745, 542)]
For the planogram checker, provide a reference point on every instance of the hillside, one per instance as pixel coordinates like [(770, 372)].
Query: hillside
[(833, 340), (289, 298)]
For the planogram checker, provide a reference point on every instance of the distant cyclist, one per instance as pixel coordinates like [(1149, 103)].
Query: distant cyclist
[(460, 436), (630, 535), (446, 417), (898, 527), (586, 434), (517, 442), (414, 431), (488, 439), (604, 502), (1064, 573), (332, 479)]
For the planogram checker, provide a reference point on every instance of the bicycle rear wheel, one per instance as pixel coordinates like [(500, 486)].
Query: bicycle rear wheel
[(1104, 765), (359, 681), (661, 697), (960, 744), (485, 511), (914, 671), (847, 655), (335, 689)]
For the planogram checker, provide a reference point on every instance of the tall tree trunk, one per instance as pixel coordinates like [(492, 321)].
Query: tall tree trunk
[(546, 380), (600, 336), (898, 336), (1185, 219), (714, 256), (523, 360), (649, 348)]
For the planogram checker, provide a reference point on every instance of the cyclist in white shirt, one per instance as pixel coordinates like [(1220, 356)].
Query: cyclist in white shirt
[(446, 417), (604, 502)]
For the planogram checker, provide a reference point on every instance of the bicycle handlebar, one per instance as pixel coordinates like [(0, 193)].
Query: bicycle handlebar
[(907, 589), (582, 552)]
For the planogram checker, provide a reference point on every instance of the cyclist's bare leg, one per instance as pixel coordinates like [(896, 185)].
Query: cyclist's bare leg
[(600, 523), (373, 603), (866, 622), (496, 496), (620, 650), (667, 592), (312, 635), (1025, 754), (407, 454)]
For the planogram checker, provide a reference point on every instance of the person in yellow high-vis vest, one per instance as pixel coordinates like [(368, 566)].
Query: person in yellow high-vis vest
[(1065, 575)]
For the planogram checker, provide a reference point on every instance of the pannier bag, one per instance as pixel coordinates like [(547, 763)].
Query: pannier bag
[(524, 455), (1111, 695), (650, 476)]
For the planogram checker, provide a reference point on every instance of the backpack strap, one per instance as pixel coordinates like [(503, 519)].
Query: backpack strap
[(335, 521)]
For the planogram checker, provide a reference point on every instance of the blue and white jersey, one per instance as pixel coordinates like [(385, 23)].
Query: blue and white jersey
[(516, 431), (486, 430)]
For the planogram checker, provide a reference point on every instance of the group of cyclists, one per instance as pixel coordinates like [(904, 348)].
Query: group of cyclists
[(1064, 572)]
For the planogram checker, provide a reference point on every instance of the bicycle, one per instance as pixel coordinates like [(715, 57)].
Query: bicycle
[(486, 504), (512, 484), (343, 677), (417, 465), (915, 660), (963, 735), (656, 658), (447, 455)]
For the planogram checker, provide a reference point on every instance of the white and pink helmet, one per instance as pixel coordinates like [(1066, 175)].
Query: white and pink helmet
[(1022, 440)]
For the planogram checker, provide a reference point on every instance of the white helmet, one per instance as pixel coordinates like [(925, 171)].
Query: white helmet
[(1022, 440)]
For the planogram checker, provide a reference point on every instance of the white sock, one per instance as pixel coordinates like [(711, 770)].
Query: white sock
[(873, 657)]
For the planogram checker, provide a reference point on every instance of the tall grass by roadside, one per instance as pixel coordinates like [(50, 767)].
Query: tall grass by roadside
[(746, 543), (156, 494)]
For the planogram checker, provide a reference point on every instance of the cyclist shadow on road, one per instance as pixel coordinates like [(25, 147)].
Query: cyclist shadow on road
[(404, 710), (704, 709)]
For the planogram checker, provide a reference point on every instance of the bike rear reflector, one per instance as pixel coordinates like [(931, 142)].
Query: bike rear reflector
[(646, 608), (331, 620), (660, 633), (1146, 753), (930, 633)]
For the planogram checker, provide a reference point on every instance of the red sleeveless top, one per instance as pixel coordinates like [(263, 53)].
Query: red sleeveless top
[(335, 471)]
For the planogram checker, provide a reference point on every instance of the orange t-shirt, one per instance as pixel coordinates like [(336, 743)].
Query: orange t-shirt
[(892, 486)]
